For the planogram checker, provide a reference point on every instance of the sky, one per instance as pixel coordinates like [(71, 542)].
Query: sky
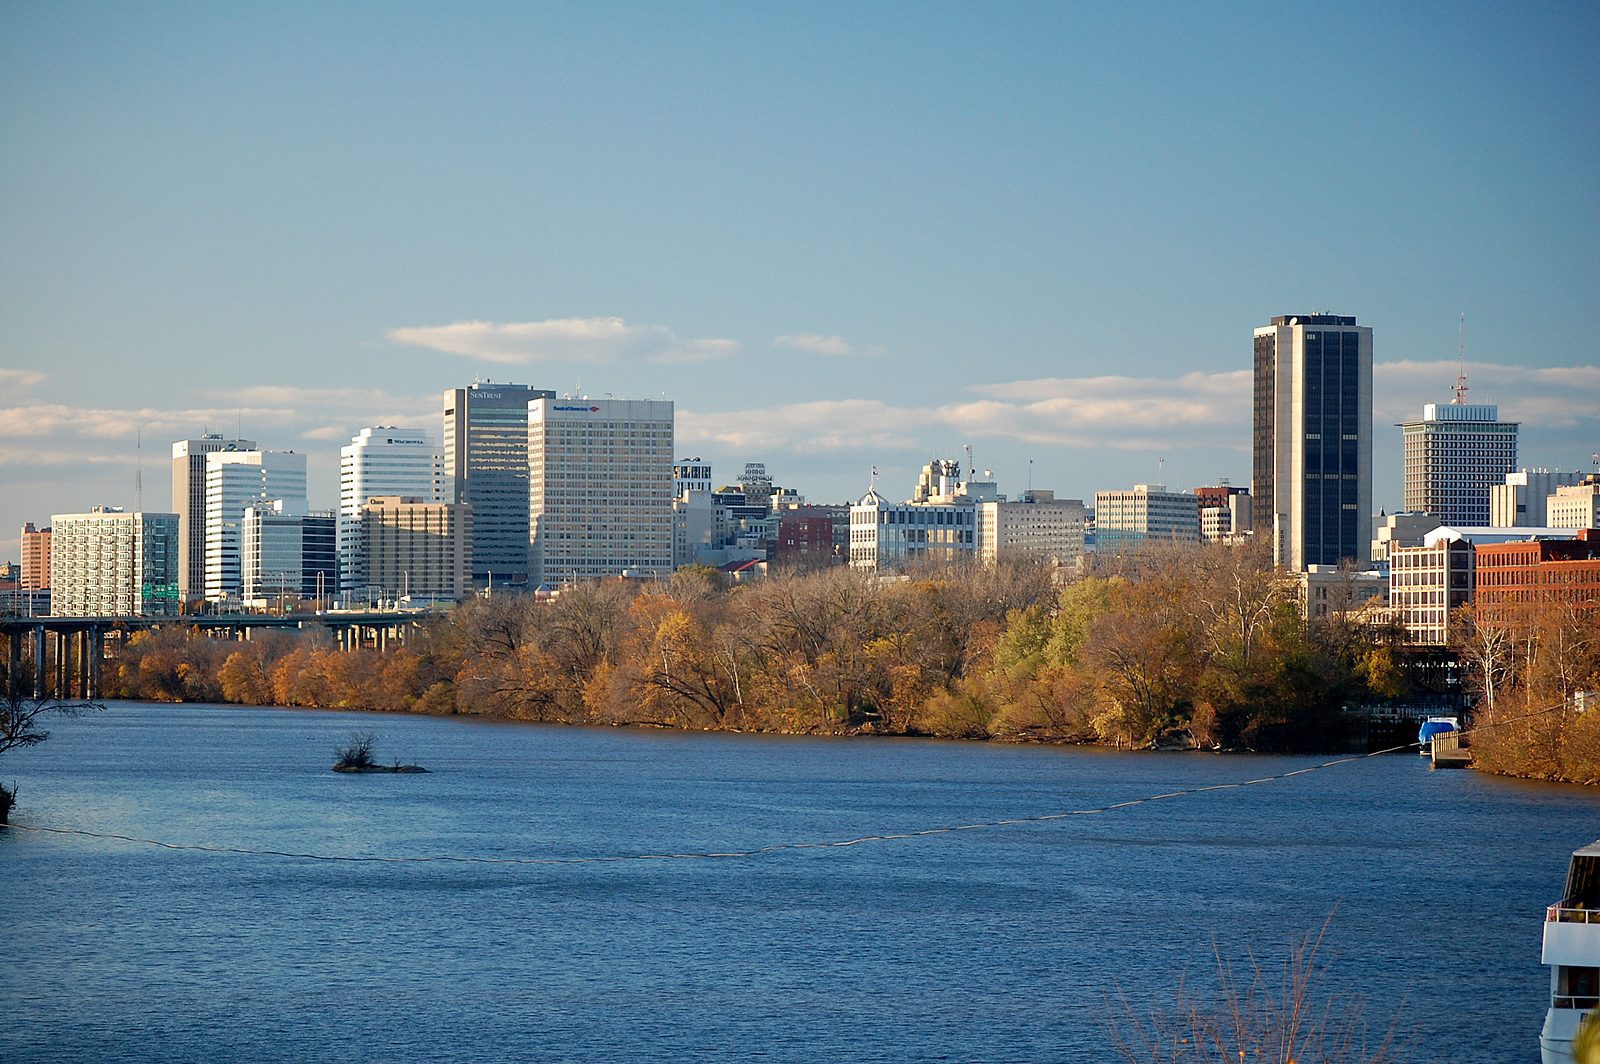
[(838, 236)]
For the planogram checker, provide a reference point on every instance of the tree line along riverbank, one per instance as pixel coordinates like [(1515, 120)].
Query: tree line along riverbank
[(1197, 646)]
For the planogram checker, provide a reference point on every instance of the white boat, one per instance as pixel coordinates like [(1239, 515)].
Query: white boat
[(1572, 950), (1434, 726)]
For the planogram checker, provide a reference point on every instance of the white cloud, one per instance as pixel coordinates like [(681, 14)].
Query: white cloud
[(1124, 413), (57, 420), (14, 381), (819, 344), (347, 399), (1551, 397), (1159, 414), (561, 340)]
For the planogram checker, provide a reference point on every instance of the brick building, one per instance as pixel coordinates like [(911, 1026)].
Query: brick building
[(1527, 571)]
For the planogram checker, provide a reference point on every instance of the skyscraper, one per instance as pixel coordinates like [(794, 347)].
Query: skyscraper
[(600, 487), (189, 503), (382, 460), (1313, 439), (35, 558), (1454, 455), (486, 455), (110, 563), (235, 480)]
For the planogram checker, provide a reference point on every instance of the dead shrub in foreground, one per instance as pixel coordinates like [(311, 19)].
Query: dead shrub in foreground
[(1273, 1017)]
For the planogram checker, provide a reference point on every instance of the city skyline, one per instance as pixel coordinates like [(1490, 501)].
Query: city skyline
[(837, 239)]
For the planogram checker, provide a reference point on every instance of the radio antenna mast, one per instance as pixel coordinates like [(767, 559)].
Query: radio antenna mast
[(1461, 371)]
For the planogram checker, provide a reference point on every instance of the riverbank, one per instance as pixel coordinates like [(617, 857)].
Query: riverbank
[(1202, 647)]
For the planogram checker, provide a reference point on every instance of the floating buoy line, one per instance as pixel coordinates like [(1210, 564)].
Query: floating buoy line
[(760, 851)]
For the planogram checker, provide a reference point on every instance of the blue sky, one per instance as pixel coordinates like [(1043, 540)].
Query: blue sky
[(838, 236)]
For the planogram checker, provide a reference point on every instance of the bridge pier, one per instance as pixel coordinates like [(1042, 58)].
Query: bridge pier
[(95, 657), (59, 668), (38, 661)]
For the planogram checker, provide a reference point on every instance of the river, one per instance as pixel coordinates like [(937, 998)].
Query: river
[(1006, 943)]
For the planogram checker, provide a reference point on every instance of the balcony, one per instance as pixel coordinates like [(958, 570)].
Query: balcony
[(1571, 936)]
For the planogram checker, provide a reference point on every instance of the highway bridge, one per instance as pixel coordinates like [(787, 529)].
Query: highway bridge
[(62, 656)]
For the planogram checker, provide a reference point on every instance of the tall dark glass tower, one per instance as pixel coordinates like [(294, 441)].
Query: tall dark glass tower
[(1313, 439), (486, 453)]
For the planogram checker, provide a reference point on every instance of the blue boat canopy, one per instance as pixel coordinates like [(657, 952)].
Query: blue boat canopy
[(1434, 726)]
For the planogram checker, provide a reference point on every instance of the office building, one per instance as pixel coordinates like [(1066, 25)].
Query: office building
[(1225, 513), (234, 481), (35, 574), (189, 503), (690, 474), (1147, 513), (389, 461), (1428, 583), (1038, 525), (885, 535), (804, 539), (599, 488), (1575, 505), (1312, 439), (1454, 455), (1519, 502), (416, 549), (938, 523), (1516, 576), (286, 557), (111, 563), (1400, 530), (486, 458)]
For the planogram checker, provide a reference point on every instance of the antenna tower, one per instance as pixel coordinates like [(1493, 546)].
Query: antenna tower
[(138, 470), (1461, 371)]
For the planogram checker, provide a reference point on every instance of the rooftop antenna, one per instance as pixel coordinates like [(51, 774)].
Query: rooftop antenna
[(1030, 474), (138, 469), (972, 470), (873, 482), (1461, 372), (1161, 470)]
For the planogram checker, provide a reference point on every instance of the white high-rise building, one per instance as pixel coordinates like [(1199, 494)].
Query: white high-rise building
[(1038, 525), (1575, 505), (383, 461), (111, 563), (1453, 456), (235, 480), (1312, 482), (599, 488), (690, 474), (1148, 513), (1520, 501), (189, 503)]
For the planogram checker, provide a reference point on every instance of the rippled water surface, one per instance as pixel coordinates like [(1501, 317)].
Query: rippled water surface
[(998, 944)]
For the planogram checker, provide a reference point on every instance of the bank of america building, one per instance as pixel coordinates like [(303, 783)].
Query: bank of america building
[(600, 488), (1313, 438)]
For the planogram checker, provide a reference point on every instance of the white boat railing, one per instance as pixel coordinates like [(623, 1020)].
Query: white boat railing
[(1563, 1001), (1560, 914)]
